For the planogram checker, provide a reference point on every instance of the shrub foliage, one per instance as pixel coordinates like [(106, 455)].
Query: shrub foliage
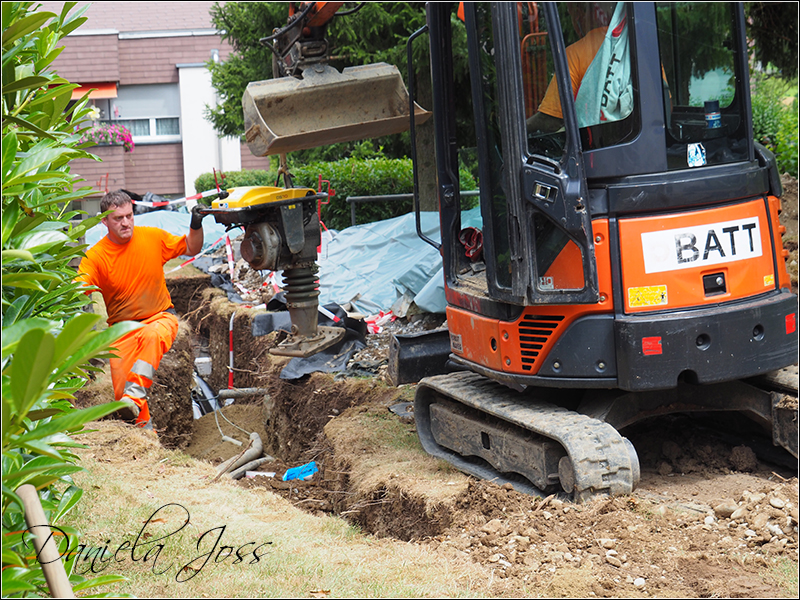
[(775, 119)]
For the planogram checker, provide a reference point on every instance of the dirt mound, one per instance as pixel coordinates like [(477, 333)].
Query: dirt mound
[(170, 397)]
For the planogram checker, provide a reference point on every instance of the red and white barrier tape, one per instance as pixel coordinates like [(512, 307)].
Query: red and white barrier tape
[(329, 314), (178, 201), (230, 352), (375, 322), (198, 255)]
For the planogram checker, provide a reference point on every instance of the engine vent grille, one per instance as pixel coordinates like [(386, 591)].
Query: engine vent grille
[(534, 332)]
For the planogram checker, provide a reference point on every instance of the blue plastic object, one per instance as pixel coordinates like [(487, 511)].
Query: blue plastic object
[(302, 472)]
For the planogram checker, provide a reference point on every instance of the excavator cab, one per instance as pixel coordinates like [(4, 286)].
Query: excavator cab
[(631, 241)]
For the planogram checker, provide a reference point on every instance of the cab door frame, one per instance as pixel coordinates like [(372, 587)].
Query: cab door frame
[(537, 185)]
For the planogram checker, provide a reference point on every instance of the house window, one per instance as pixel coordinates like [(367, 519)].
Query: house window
[(150, 112)]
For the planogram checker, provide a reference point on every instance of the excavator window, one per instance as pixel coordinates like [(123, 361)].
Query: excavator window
[(703, 109), (596, 36), (559, 259)]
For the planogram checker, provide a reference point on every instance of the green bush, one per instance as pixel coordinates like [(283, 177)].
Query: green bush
[(354, 177), (775, 120), (47, 339), (348, 177), (232, 179)]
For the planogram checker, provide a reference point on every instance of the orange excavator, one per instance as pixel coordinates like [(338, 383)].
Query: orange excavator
[(632, 262)]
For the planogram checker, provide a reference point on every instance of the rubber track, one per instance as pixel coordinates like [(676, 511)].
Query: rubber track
[(604, 462)]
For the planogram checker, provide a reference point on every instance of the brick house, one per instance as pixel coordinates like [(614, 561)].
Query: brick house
[(147, 63)]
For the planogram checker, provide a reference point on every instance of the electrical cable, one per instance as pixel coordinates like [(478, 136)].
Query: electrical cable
[(344, 13)]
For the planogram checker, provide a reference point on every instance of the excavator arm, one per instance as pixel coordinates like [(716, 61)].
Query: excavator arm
[(301, 42)]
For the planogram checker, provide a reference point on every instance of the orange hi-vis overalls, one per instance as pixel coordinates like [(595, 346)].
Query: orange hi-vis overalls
[(131, 278)]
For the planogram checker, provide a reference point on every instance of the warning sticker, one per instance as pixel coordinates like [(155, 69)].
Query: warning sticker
[(455, 342), (652, 295)]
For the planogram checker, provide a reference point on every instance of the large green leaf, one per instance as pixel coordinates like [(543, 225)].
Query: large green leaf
[(41, 241), (36, 467), (24, 84), (31, 368), (14, 582), (29, 281), (95, 342), (10, 215), (40, 155), (12, 558), (69, 499), (12, 334), (61, 90), (9, 255), (25, 26), (43, 448), (26, 125), (73, 334), (97, 581), (70, 421), (9, 152)]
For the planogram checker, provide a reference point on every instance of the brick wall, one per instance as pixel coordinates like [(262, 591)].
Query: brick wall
[(113, 165), (250, 162), (93, 58), (156, 168)]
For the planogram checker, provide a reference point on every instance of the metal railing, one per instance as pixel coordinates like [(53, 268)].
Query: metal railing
[(353, 201)]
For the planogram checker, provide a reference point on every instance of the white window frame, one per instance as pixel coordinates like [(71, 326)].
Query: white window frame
[(148, 102), (153, 138)]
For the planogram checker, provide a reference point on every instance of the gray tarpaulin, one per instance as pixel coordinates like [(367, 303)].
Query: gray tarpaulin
[(370, 265), (373, 265)]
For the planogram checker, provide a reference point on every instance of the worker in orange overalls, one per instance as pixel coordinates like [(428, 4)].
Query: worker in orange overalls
[(127, 265)]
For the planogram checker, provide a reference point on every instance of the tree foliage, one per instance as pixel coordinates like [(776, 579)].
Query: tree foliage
[(47, 338), (773, 28)]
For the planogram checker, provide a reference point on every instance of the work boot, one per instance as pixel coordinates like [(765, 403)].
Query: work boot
[(128, 413)]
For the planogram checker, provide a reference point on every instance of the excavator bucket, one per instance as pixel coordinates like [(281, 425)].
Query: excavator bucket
[(326, 107)]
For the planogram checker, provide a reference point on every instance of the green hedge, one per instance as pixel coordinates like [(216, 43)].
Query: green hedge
[(775, 119), (348, 177)]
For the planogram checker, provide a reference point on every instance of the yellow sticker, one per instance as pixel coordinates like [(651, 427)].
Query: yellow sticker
[(769, 280), (653, 295)]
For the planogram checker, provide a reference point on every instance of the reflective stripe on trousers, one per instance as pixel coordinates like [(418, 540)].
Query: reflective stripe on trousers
[(139, 354)]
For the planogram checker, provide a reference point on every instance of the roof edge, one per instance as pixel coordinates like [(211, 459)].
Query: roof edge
[(141, 35)]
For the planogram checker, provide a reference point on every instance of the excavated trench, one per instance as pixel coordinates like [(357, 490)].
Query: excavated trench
[(374, 473), (291, 419), (372, 470)]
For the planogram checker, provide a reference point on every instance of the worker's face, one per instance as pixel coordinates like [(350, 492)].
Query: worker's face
[(120, 224)]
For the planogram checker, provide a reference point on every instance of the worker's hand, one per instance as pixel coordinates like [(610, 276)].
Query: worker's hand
[(197, 217)]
